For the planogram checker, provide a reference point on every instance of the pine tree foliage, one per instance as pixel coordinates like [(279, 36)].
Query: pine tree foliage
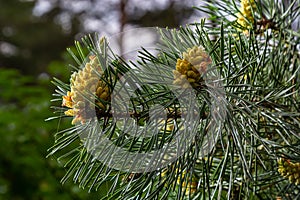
[(242, 69)]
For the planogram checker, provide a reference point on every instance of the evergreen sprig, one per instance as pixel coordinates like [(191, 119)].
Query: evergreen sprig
[(247, 117)]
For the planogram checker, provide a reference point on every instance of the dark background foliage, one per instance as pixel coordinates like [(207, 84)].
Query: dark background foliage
[(33, 38)]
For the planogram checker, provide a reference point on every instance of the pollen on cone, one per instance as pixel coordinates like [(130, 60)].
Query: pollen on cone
[(86, 86), (190, 69), (289, 170), (246, 16)]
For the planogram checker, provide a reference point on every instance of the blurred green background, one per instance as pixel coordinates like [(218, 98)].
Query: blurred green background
[(34, 35)]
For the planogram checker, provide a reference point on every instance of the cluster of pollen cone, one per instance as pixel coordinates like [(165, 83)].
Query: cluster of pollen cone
[(289, 170), (88, 92), (246, 17), (191, 68)]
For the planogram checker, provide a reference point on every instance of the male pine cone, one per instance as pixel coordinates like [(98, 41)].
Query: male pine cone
[(88, 92), (190, 69), (289, 170), (246, 15)]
